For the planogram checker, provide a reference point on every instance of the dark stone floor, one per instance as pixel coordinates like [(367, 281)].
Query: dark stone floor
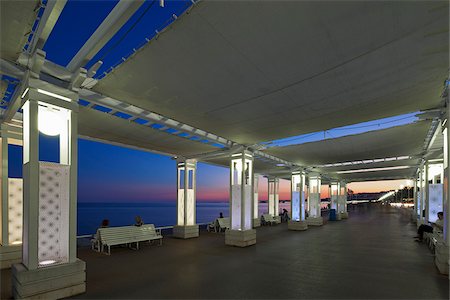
[(372, 255)]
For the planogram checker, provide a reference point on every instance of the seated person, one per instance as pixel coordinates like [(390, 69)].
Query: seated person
[(438, 226), (220, 215), (138, 221), (105, 223)]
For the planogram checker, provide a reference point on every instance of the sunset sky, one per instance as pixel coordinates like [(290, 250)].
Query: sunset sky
[(110, 173)]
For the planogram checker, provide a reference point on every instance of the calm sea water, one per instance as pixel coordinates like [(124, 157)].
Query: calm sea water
[(90, 215)]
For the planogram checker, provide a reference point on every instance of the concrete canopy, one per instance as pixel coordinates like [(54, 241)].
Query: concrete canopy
[(257, 71), (406, 140), (16, 20)]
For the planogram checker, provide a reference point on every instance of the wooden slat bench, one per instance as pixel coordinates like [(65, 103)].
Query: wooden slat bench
[(268, 219), (125, 235), (223, 223)]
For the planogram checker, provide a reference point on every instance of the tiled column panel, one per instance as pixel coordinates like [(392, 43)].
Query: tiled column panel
[(53, 208)]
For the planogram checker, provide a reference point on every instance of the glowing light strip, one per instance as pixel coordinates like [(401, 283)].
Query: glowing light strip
[(366, 161), (53, 95), (391, 193), (373, 170)]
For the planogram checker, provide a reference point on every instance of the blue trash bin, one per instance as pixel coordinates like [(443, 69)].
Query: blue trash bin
[(332, 215)]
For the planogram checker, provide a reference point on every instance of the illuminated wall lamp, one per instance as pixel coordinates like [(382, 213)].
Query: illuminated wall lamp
[(49, 121)]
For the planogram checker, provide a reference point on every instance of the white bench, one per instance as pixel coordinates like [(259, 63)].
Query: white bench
[(223, 223), (112, 236), (268, 219)]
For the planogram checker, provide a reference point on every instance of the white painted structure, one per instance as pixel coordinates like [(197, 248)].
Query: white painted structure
[(11, 206), (273, 198), (335, 194), (50, 196), (297, 221), (241, 233), (342, 201), (314, 215), (186, 226), (255, 211)]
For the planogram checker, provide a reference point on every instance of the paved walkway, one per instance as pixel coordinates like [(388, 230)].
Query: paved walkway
[(372, 255)]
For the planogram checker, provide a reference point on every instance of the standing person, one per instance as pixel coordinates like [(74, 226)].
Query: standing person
[(285, 215), (436, 226), (220, 215), (138, 221)]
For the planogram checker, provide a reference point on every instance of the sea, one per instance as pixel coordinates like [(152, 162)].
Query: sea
[(90, 215)]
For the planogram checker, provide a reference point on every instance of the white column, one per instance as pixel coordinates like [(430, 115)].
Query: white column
[(414, 217), (297, 221), (422, 194), (274, 197), (435, 190), (342, 202), (186, 200), (314, 212), (50, 197), (255, 216), (11, 204), (426, 204), (442, 256), (241, 233), (335, 188)]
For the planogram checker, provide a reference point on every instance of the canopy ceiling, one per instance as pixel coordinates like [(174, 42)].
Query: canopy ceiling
[(16, 20), (261, 70), (105, 127), (406, 140)]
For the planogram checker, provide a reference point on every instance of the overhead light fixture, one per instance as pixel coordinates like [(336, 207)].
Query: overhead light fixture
[(373, 170)]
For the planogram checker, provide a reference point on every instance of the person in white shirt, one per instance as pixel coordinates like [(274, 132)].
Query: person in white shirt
[(436, 226)]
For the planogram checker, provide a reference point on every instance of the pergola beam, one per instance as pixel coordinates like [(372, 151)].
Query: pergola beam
[(120, 14), (48, 20)]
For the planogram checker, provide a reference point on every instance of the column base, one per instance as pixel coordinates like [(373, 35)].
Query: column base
[(240, 238), (277, 219), (10, 255), (185, 232), (442, 258), (314, 221), (297, 225), (343, 215), (256, 222), (54, 282)]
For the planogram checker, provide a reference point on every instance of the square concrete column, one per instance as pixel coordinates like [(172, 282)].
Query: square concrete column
[(342, 201), (416, 202), (426, 194), (186, 200), (335, 189), (435, 190), (297, 221), (255, 217), (11, 208), (442, 257), (241, 233), (274, 197), (314, 213), (421, 195), (49, 268)]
